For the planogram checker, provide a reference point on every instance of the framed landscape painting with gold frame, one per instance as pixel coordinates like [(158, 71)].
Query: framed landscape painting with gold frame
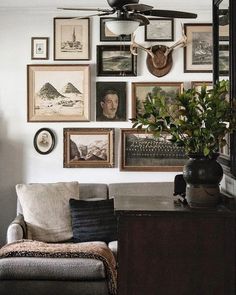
[(198, 84), (88, 147), (141, 151), (58, 93), (141, 91)]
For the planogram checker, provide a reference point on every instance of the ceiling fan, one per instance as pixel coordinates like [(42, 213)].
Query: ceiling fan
[(131, 15)]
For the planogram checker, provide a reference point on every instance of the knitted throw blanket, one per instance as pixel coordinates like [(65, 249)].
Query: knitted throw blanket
[(94, 250)]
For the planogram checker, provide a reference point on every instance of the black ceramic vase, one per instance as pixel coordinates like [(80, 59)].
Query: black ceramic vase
[(202, 176)]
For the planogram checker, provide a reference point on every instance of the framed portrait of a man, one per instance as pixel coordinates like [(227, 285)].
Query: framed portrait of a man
[(111, 101), (44, 141)]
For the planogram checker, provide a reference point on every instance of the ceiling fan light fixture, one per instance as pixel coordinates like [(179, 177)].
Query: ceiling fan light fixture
[(122, 27)]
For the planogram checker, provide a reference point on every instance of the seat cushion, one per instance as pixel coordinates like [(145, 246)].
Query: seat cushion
[(46, 209), (93, 220)]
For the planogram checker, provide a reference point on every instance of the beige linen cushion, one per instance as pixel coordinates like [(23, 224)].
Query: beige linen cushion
[(46, 209)]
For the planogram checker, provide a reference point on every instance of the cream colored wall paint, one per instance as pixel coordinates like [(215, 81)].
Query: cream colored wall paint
[(19, 162)]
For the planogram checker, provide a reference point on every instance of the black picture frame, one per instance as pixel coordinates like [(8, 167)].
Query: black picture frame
[(118, 88), (44, 141), (116, 60), (106, 35)]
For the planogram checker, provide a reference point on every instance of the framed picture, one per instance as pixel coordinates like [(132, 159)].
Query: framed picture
[(106, 35), (116, 60), (198, 84), (58, 93), (111, 101), (224, 59), (44, 141), (39, 47), (199, 50), (71, 38), (159, 29), (141, 151), (141, 91), (88, 147)]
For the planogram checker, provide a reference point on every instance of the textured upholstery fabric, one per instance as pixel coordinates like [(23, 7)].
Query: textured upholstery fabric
[(86, 191), (46, 209), (34, 268), (93, 221), (45, 287), (159, 189), (17, 229), (113, 246)]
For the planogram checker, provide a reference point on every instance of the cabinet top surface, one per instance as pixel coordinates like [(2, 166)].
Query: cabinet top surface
[(152, 204)]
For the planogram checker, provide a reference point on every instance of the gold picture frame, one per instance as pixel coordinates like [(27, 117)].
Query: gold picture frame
[(141, 151), (142, 90), (88, 148)]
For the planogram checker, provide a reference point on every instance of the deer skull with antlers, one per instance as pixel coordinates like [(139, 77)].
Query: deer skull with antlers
[(159, 59)]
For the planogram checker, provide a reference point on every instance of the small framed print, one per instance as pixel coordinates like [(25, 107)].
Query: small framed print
[(39, 47), (199, 50), (159, 29), (141, 91), (115, 60), (88, 147), (108, 36), (111, 101), (44, 141), (141, 151), (71, 39)]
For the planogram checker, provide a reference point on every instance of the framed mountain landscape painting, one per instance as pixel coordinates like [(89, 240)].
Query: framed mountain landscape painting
[(58, 93)]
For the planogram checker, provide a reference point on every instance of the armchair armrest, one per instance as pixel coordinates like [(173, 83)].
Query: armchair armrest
[(17, 229)]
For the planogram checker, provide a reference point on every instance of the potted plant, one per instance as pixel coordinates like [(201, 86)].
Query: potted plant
[(198, 121)]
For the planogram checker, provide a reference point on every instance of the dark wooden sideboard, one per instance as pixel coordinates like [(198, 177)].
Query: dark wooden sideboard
[(165, 249)]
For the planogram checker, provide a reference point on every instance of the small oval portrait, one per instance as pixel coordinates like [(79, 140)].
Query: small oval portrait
[(44, 141)]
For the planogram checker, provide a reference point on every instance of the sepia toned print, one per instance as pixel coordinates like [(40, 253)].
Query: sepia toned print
[(159, 29), (199, 50), (58, 93), (44, 141), (71, 39), (141, 151), (88, 147)]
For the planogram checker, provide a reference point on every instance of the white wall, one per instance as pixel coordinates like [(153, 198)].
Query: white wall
[(19, 162)]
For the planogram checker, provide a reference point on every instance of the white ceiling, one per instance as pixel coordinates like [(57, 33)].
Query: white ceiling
[(186, 5)]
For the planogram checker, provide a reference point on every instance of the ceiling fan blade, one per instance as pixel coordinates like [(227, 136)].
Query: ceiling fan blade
[(143, 19), (87, 9), (169, 13), (136, 7), (94, 14)]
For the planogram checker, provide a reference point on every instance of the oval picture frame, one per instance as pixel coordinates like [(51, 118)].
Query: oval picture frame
[(44, 141)]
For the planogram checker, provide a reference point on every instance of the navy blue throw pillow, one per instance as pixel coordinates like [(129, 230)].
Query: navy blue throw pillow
[(93, 220)]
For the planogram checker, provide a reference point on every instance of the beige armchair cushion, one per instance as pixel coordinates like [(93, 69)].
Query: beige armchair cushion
[(46, 209)]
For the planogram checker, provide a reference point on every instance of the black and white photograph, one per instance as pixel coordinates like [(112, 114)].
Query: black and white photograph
[(111, 101), (44, 141), (88, 147), (198, 54), (224, 59), (159, 29), (107, 36), (115, 60), (71, 39), (141, 151)]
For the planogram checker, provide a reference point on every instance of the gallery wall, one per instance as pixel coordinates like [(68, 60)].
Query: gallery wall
[(20, 162)]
